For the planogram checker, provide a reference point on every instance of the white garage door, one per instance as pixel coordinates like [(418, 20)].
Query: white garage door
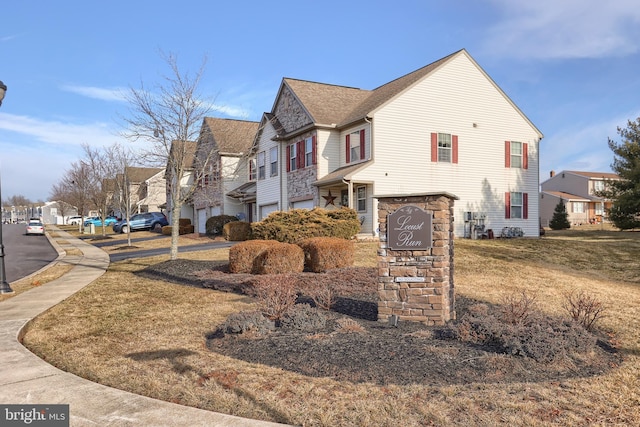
[(202, 221), (305, 204), (267, 209)]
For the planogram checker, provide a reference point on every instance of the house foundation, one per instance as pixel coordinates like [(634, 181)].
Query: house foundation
[(415, 258)]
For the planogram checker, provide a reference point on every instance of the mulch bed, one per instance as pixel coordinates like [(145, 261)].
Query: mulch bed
[(375, 352)]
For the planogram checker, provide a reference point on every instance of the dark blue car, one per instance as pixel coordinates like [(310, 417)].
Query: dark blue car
[(141, 221)]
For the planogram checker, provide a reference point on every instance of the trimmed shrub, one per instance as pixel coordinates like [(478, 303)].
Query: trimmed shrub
[(280, 258), (183, 222), (183, 229), (299, 224), (236, 231), (242, 256), (324, 253), (215, 224)]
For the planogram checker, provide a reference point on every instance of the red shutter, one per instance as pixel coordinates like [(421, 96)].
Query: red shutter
[(348, 157), (434, 147), (250, 169), (525, 205), (314, 150), (507, 154), (454, 148), (362, 144), (288, 160), (525, 156), (507, 205)]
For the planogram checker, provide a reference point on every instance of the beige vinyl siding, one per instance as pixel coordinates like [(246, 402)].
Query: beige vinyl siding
[(269, 190), (234, 173), (568, 182), (451, 100), (328, 151)]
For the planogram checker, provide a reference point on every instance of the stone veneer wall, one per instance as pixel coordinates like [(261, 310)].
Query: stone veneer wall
[(431, 301)]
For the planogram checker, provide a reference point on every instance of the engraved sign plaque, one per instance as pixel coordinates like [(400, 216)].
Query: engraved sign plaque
[(410, 228)]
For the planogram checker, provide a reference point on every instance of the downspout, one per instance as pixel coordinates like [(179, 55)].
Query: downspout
[(374, 209)]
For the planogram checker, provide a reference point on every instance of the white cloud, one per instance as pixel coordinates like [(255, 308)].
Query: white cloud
[(97, 93), (581, 147), (565, 29), (58, 133)]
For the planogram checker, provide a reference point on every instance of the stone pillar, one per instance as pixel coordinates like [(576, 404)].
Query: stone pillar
[(415, 258)]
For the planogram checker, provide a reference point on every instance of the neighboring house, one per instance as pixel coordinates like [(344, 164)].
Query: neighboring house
[(578, 191), (185, 151), (152, 193), (53, 213), (226, 145), (145, 187), (446, 127)]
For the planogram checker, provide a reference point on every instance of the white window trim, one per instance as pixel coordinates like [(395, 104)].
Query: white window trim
[(363, 199)]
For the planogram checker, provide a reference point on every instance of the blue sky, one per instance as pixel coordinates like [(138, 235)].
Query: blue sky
[(570, 65)]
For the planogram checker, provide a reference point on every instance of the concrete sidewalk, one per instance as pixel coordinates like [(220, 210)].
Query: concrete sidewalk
[(27, 379)]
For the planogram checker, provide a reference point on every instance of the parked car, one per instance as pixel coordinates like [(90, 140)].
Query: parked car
[(141, 221), (35, 228), (74, 220), (97, 221)]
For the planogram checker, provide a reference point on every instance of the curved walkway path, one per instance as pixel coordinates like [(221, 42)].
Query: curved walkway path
[(26, 379)]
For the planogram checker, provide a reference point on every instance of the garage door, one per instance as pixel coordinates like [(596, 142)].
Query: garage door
[(202, 221), (265, 210), (305, 204)]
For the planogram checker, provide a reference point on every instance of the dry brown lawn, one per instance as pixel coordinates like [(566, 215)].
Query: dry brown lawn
[(148, 337)]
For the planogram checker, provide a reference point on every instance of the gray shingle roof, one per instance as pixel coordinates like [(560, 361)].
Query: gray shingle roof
[(232, 136), (341, 105)]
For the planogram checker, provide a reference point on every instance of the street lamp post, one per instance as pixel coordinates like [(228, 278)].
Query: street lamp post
[(4, 285)]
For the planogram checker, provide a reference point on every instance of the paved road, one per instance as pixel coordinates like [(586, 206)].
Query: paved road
[(24, 254)]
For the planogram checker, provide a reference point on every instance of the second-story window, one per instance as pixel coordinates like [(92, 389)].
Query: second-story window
[(355, 149), (261, 165), (273, 161), (444, 147), (598, 186), (516, 155), (293, 157), (308, 151), (252, 170)]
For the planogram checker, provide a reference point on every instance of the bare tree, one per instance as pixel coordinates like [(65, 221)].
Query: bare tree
[(169, 120), (76, 183), (104, 165), (121, 158)]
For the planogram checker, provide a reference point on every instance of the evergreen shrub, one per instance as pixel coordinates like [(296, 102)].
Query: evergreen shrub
[(299, 224), (215, 224)]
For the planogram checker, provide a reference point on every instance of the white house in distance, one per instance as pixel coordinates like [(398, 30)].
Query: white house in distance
[(446, 127), (578, 192)]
